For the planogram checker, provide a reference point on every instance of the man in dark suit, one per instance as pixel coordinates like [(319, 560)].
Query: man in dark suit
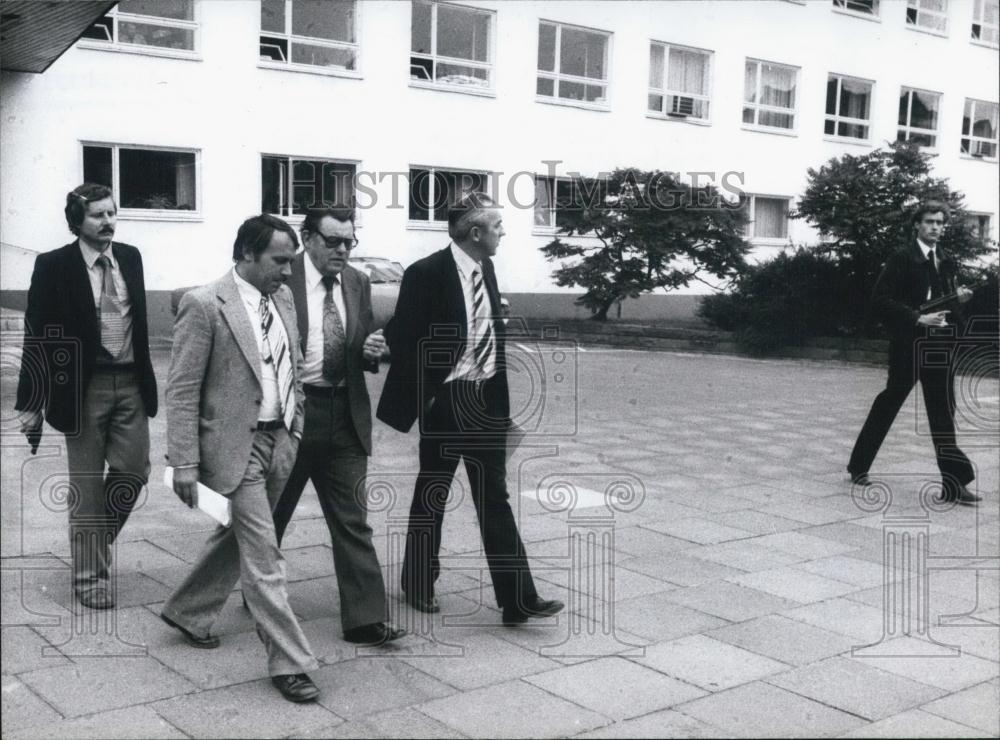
[(911, 277), (448, 369), (334, 310), (86, 369)]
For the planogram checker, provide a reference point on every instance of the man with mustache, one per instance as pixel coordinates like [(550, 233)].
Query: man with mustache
[(86, 370)]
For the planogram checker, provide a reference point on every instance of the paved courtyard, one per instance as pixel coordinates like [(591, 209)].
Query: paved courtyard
[(721, 577)]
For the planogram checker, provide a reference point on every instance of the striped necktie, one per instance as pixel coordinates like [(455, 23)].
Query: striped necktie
[(484, 343), (112, 323), (276, 351)]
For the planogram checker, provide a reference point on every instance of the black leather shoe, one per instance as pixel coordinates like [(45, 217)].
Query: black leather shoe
[(860, 479), (960, 495), (96, 598), (430, 606), (376, 633), (297, 687), (536, 609), (206, 643)]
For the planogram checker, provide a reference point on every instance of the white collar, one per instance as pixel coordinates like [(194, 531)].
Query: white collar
[(90, 254), (926, 249), (466, 265), (248, 292), (314, 277)]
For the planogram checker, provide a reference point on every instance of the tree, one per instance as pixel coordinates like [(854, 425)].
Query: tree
[(649, 231)]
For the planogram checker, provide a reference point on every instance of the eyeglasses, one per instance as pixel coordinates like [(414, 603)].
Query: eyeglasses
[(333, 242)]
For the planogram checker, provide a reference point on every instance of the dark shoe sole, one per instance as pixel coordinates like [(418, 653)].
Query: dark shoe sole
[(523, 617), (389, 635)]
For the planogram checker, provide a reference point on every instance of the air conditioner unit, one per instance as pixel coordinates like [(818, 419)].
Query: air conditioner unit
[(681, 106)]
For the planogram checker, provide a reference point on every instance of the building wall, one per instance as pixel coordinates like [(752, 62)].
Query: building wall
[(233, 111)]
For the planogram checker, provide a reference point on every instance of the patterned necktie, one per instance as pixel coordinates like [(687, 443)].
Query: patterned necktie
[(334, 337), (276, 351), (112, 323), (935, 277), (484, 343)]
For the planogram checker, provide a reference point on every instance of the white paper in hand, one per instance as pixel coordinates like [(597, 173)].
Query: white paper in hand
[(214, 504)]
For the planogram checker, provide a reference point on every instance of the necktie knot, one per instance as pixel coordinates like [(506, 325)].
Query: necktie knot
[(104, 261), (329, 281)]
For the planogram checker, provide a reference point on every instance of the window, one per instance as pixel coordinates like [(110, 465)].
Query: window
[(678, 81), (311, 33), (451, 46), (555, 196), (928, 15), (572, 63), (291, 186), (147, 24), (848, 107), (769, 95), (986, 22), (142, 178), (979, 129), (918, 117), (979, 226), (767, 218), (433, 191), (862, 7)]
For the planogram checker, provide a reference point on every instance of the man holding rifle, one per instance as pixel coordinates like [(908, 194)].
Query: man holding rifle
[(911, 278)]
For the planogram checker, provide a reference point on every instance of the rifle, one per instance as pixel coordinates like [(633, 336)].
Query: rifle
[(949, 300)]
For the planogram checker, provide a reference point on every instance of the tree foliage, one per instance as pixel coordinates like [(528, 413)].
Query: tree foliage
[(643, 230)]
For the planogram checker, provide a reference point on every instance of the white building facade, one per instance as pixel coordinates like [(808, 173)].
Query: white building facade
[(201, 113)]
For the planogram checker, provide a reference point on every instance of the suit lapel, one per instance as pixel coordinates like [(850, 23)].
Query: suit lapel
[(298, 285), (239, 323), (81, 294), (129, 276), (286, 311), (454, 295), (352, 299)]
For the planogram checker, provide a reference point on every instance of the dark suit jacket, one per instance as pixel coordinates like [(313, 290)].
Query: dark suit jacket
[(357, 326), (427, 335), (902, 287), (62, 336)]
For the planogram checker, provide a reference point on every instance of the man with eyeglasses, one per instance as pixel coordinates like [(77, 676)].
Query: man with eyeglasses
[(334, 309)]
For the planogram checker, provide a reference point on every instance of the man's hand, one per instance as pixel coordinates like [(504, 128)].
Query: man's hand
[(375, 346), (964, 295), (186, 485), (938, 318)]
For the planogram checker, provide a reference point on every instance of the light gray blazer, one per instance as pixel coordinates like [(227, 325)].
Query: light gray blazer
[(214, 386)]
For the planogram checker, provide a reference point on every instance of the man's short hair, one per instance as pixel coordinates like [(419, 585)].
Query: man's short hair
[(79, 198), (255, 234), (931, 206), (469, 211), (315, 215)]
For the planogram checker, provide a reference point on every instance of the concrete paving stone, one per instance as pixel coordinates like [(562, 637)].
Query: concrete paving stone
[(639, 541), (143, 555), (847, 534), (744, 555), (354, 689), (975, 707), (408, 722), (311, 598), (700, 531), (856, 687), (861, 622), (22, 651), (939, 603), (951, 673), (132, 723), (186, 545), (809, 513), (802, 545), (22, 707), (131, 589), (485, 660), (621, 584), (981, 639), (252, 710), (115, 632), (761, 710), (793, 584), (92, 685), (705, 496), (615, 687), (665, 723), (306, 563), (679, 569), (486, 712), (976, 585), (573, 641), (916, 724), (708, 663), (238, 659), (761, 495), (784, 639), (847, 569), (305, 531), (659, 617)]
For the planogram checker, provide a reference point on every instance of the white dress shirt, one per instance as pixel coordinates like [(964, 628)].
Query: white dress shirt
[(96, 276), (270, 404), (926, 249), (466, 367), (312, 365)]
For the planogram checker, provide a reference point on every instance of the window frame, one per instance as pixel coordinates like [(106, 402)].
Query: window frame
[(750, 228), (290, 66), (193, 25), (978, 21), (490, 66), (985, 238), (147, 214), (909, 128), (843, 6), (758, 107), (431, 224), (553, 227), (915, 25), (557, 77), (837, 118), (706, 97), (296, 218), (973, 138)]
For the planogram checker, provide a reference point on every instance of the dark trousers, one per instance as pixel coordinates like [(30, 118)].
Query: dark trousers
[(113, 430), (931, 363), (331, 456), (462, 424)]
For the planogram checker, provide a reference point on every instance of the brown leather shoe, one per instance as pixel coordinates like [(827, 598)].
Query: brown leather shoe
[(97, 598), (206, 643), (297, 687)]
